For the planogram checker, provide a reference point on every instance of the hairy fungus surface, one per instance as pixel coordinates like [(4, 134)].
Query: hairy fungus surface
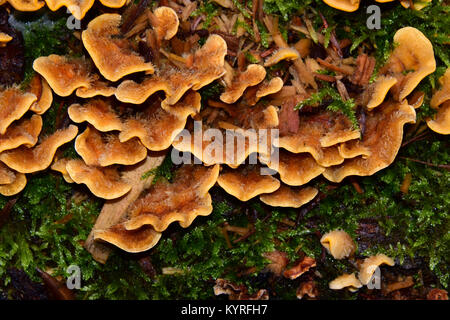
[(348, 281), (247, 182), (265, 88), (344, 5), (253, 75), (98, 113), (111, 52), (383, 137), (24, 132), (157, 127), (14, 104), (165, 23), (182, 200), (133, 241), (319, 134), (63, 74), (15, 186), (410, 62), (201, 68), (289, 197), (38, 158), (229, 140), (99, 149), (295, 169), (369, 265), (338, 243), (104, 182), (96, 88)]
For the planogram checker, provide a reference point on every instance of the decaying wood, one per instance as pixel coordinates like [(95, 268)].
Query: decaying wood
[(114, 210)]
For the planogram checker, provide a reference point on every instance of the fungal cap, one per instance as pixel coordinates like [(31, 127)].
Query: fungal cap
[(63, 74), (254, 74), (443, 94), (133, 241), (26, 5), (441, 121), (96, 112), (112, 55), (369, 265), (105, 150), (382, 140), (379, 89), (289, 197), (338, 243), (38, 158), (345, 281), (14, 104), (14, 187), (344, 5), (281, 54), (24, 132), (245, 183), (167, 23), (102, 182), (414, 56), (182, 200), (78, 8)]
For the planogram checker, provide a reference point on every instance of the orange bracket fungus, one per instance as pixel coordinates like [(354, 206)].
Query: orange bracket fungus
[(26, 5), (289, 197), (441, 101), (103, 182), (198, 69), (103, 150), (112, 53), (250, 77), (344, 5), (246, 182), (23, 132), (163, 203), (98, 113), (338, 243), (14, 104), (38, 158), (383, 137), (410, 62), (133, 241), (182, 200), (295, 169), (63, 74)]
